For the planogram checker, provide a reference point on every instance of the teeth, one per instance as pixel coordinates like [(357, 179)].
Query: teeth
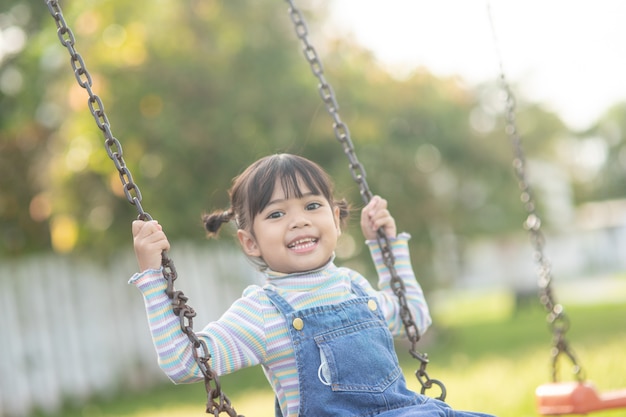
[(302, 243)]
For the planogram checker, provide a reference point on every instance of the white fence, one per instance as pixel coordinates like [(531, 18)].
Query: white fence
[(72, 329)]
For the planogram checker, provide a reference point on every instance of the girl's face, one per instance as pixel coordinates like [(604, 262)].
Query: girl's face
[(293, 234)]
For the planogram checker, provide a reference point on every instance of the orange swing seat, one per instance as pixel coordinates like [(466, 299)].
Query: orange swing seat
[(575, 398)]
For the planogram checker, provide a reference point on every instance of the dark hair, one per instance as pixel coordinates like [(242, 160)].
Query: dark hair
[(251, 190)]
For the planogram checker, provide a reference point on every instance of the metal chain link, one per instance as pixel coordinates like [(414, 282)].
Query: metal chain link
[(357, 171), (557, 319), (217, 401)]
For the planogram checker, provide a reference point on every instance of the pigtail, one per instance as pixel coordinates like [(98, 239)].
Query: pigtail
[(213, 221)]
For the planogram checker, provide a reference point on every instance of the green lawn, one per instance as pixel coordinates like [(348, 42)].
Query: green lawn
[(490, 359)]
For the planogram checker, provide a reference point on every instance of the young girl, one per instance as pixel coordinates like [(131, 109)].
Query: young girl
[(322, 334)]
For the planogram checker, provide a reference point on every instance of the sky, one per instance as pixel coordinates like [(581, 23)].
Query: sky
[(567, 54)]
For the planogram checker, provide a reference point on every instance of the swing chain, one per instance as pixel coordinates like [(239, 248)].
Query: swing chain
[(342, 134), (327, 94), (557, 319), (84, 79), (114, 150)]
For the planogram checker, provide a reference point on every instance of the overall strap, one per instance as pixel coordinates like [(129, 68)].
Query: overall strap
[(285, 308), (358, 290), (279, 302)]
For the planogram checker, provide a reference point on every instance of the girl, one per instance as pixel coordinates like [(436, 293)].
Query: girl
[(322, 334)]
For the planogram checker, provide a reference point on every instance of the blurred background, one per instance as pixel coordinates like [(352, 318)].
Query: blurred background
[(196, 91)]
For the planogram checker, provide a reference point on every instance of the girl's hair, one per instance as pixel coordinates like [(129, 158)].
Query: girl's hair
[(252, 190)]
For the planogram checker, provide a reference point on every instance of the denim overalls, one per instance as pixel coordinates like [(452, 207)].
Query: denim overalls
[(347, 365)]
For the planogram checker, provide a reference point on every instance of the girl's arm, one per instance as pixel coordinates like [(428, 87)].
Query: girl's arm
[(374, 216), (234, 341), (413, 291), (230, 345)]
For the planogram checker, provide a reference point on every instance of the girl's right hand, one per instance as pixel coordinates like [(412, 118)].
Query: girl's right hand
[(149, 242)]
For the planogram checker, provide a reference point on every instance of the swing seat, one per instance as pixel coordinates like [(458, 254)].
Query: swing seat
[(575, 398)]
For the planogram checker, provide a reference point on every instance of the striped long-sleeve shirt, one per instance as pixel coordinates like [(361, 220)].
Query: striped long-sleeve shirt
[(252, 331)]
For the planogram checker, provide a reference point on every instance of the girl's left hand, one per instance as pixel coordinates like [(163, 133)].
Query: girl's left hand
[(374, 216)]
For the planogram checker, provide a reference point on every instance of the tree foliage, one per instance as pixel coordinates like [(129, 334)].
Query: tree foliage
[(196, 91)]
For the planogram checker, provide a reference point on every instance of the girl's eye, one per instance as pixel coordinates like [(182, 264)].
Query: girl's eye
[(313, 206), (275, 215)]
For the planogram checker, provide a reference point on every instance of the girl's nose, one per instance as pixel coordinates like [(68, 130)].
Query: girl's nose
[(300, 221)]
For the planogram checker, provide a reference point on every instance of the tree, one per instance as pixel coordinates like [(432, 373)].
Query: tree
[(27, 116), (196, 91)]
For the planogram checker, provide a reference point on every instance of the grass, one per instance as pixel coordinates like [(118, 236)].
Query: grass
[(490, 358), (495, 366)]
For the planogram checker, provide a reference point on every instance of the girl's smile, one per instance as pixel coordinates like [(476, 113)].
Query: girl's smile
[(303, 244)]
